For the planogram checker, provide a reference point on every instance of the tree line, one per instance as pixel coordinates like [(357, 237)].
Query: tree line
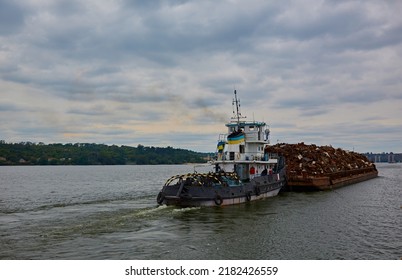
[(29, 153)]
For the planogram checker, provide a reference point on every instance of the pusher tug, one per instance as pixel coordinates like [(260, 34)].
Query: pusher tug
[(241, 171)]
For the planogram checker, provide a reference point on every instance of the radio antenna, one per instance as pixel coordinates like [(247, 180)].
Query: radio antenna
[(237, 114)]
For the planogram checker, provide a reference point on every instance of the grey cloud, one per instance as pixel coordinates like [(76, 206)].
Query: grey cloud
[(68, 7), (155, 58), (314, 112), (222, 86), (323, 18), (11, 17), (152, 33), (98, 111), (9, 108)]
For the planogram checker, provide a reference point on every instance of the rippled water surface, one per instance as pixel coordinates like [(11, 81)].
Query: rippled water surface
[(110, 212)]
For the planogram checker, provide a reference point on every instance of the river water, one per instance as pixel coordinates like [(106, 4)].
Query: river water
[(110, 212)]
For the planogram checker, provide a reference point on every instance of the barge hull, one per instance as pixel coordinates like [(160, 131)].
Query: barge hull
[(329, 182)]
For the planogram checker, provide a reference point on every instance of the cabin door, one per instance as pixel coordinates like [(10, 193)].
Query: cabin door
[(242, 172)]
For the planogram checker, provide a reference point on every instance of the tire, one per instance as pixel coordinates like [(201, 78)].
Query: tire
[(160, 198), (257, 190), (218, 200), (248, 196)]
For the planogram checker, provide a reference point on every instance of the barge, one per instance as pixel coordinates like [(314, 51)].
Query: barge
[(317, 168)]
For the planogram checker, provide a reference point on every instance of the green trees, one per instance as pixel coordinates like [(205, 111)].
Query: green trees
[(28, 153)]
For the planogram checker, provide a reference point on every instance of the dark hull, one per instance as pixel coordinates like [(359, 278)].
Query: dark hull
[(258, 188)]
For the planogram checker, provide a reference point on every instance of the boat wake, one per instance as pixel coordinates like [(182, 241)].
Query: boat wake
[(70, 204), (183, 210)]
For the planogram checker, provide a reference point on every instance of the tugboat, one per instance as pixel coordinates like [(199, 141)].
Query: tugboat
[(241, 172)]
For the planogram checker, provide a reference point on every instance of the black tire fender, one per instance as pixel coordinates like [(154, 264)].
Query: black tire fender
[(257, 190), (248, 195), (218, 200), (160, 198)]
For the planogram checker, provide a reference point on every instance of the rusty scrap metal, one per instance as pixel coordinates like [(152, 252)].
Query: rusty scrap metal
[(316, 161)]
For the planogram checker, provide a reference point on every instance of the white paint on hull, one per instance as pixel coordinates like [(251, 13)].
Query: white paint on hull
[(227, 201)]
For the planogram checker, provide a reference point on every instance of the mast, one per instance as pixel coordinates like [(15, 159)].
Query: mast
[(237, 114)]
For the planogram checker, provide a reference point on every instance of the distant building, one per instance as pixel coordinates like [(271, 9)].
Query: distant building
[(384, 157)]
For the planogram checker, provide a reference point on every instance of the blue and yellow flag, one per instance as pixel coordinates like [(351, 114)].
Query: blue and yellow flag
[(221, 146), (236, 139)]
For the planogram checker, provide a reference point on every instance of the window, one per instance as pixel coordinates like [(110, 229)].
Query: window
[(231, 156)]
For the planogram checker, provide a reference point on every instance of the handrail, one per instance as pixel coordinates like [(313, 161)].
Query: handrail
[(250, 156)]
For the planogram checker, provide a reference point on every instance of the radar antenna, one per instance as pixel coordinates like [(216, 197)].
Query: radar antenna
[(236, 102)]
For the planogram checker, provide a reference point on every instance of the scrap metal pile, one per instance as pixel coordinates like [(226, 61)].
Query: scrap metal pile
[(315, 161)]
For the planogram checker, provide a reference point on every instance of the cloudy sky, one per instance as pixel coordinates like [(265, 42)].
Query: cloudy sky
[(161, 73)]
